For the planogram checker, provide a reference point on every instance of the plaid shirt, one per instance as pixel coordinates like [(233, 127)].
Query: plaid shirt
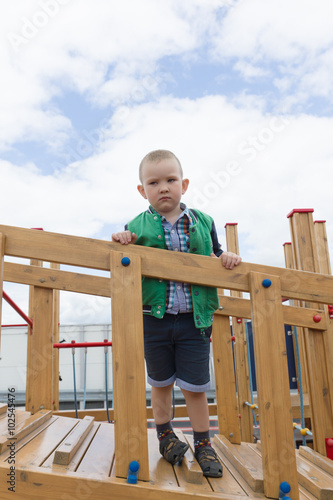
[(177, 239)]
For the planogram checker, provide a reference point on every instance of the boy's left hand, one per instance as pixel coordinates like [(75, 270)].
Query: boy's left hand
[(229, 259)]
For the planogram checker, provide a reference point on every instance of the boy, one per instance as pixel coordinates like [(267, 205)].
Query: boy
[(177, 316)]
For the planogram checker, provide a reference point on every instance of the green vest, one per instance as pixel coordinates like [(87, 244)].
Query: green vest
[(148, 228)]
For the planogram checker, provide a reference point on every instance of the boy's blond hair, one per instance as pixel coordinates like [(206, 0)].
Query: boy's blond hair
[(158, 155)]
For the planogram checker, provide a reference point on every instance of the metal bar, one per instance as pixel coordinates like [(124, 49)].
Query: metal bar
[(17, 309), (82, 344)]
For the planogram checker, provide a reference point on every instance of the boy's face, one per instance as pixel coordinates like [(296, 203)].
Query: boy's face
[(163, 186)]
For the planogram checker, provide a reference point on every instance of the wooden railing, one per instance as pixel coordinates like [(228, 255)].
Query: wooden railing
[(124, 288)]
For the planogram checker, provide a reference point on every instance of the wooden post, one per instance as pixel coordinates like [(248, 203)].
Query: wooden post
[(319, 369), (226, 400), (39, 367), (325, 268), (2, 254), (28, 397), (55, 362), (275, 413), (289, 261), (240, 350), (322, 247), (129, 388)]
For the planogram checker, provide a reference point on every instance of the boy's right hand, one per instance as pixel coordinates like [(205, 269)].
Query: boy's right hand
[(124, 237)]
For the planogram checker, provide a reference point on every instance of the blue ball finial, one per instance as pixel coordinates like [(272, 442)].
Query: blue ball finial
[(125, 261), (133, 471), (266, 283), (284, 489)]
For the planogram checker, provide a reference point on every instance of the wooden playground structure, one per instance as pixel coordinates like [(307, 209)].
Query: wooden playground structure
[(45, 453)]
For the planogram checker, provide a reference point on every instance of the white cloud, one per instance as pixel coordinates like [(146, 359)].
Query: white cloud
[(99, 50), (293, 38)]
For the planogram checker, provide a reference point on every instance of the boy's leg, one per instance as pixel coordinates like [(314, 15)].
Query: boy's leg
[(197, 409), (161, 401), (171, 448)]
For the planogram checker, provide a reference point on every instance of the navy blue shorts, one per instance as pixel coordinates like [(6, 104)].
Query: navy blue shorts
[(177, 351)]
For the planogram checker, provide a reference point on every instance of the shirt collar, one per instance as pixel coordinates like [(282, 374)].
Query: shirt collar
[(183, 207)]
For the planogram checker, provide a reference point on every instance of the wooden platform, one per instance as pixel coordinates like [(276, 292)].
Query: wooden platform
[(61, 458)]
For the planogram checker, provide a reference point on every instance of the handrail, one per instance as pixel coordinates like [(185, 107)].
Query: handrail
[(95, 254), (17, 309)]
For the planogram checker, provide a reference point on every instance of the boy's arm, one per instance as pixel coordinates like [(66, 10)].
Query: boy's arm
[(124, 237), (229, 259)]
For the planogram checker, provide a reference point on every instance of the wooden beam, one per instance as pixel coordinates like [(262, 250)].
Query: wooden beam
[(225, 386), (275, 414), (29, 425), (320, 376), (58, 280), (240, 351), (2, 254), (294, 316), (100, 415), (67, 449), (55, 361), (290, 264), (129, 387), (86, 252), (39, 364), (30, 340)]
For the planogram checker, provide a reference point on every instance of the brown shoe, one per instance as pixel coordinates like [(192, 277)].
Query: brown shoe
[(172, 449), (209, 462)]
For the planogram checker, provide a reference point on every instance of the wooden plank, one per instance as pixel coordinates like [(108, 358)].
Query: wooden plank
[(225, 386), (292, 315), (2, 255), (79, 454), (322, 247), (23, 429), (41, 484), (100, 415), (20, 416), (275, 415), (161, 473), (192, 469), (87, 252), (188, 472), (27, 439), (66, 450), (37, 450), (39, 362), (55, 352), (240, 350), (247, 463), (3, 408), (316, 481), (320, 376), (317, 459), (305, 494), (231, 483), (30, 340), (290, 264), (98, 459), (295, 405), (325, 266), (58, 280), (128, 366)]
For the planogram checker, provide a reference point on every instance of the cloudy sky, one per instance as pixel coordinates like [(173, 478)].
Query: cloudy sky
[(240, 90)]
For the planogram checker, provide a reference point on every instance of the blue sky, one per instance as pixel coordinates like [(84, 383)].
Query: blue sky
[(240, 90)]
